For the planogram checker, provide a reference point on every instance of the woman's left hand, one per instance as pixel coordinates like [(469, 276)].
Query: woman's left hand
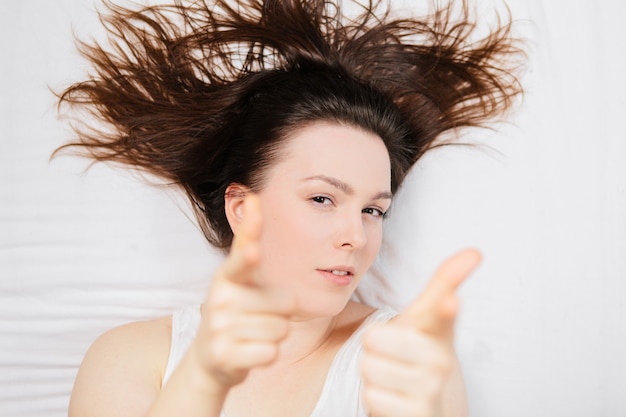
[(408, 362)]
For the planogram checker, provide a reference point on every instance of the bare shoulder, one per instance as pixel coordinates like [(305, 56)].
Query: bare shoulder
[(122, 371)]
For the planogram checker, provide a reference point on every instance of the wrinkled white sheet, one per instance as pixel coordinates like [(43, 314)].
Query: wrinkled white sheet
[(542, 331)]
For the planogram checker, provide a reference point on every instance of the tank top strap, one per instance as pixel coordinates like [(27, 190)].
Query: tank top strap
[(185, 323), (341, 394)]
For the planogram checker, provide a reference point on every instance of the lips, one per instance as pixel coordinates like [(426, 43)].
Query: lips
[(338, 275)]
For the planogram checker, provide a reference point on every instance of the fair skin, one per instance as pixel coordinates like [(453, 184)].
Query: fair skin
[(279, 307)]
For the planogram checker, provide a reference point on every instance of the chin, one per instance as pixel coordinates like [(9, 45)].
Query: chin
[(322, 305)]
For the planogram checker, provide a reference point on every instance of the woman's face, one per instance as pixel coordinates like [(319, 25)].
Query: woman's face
[(323, 203)]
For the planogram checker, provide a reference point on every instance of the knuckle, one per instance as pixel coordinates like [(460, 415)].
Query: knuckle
[(265, 353), (442, 364)]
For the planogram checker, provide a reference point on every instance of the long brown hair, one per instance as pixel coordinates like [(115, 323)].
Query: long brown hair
[(202, 94)]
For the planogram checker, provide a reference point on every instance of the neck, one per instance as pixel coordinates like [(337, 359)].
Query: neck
[(309, 336), (305, 338)]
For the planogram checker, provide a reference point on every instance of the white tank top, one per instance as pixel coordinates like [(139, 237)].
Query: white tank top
[(340, 396)]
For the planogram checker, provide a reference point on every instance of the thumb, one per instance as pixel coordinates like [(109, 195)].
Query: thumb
[(434, 310)]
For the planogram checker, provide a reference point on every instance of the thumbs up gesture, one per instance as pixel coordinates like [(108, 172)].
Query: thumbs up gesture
[(408, 362), (243, 321)]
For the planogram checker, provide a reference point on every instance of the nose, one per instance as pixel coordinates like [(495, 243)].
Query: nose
[(352, 233)]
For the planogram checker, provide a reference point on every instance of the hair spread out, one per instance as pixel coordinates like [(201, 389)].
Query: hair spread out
[(200, 93)]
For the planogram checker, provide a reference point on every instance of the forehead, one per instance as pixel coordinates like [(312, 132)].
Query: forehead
[(338, 150)]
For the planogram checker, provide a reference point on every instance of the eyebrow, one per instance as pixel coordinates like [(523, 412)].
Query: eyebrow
[(346, 188)]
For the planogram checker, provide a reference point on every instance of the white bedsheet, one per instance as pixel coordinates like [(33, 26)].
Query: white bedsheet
[(542, 331)]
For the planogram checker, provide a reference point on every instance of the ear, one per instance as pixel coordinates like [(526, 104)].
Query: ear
[(234, 197)]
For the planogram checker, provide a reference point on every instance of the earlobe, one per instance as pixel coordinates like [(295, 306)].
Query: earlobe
[(234, 198)]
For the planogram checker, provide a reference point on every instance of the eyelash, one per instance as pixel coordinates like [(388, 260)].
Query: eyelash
[(323, 200), (372, 210)]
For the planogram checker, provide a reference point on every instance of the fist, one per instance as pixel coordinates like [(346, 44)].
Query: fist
[(408, 362), (243, 322)]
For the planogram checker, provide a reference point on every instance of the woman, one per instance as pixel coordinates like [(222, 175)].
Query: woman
[(290, 128)]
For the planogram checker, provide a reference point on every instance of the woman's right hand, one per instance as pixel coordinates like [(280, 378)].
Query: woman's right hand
[(243, 321)]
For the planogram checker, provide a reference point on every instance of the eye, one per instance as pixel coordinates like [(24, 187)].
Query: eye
[(374, 212), (322, 200)]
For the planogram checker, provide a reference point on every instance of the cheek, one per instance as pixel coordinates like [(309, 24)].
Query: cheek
[(288, 235), (285, 226), (374, 242)]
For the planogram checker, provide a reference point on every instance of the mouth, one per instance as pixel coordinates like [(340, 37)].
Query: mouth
[(338, 275)]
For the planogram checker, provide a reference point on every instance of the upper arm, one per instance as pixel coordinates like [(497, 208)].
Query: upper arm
[(122, 371)]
